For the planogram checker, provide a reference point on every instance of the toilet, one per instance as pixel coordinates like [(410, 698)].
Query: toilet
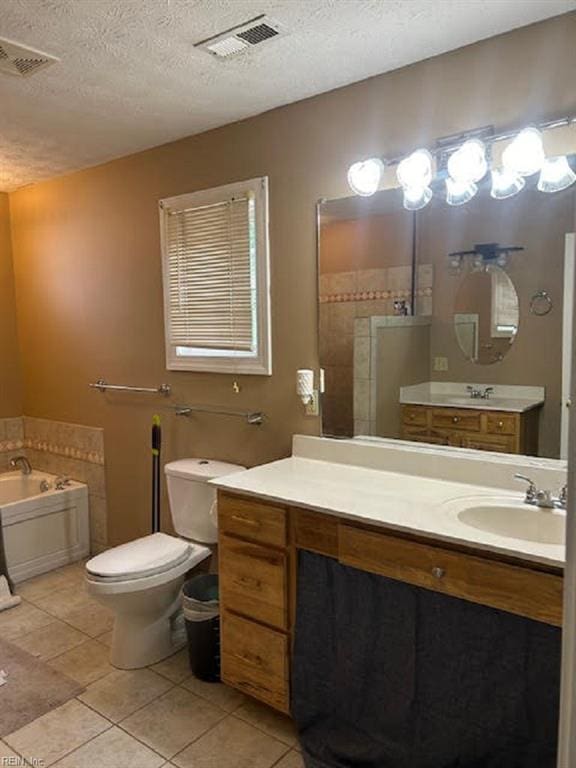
[(141, 581)]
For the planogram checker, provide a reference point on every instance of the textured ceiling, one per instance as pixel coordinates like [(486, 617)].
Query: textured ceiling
[(129, 77)]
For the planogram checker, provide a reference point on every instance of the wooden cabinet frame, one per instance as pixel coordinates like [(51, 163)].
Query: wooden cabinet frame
[(258, 577)]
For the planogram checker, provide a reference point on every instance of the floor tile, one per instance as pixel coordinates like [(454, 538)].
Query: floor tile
[(63, 601), (5, 753), (105, 639), (231, 744), (121, 692), (219, 694), (51, 640), (93, 620), (22, 619), (173, 721), (86, 663), (53, 735), (175, 667), (268, 720), (292, 760), (112, 749), (39, 586)]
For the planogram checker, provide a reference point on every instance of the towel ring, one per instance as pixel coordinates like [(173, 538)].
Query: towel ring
[(541, 304)]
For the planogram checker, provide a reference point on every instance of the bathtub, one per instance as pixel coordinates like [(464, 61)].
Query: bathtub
[(42, 529)]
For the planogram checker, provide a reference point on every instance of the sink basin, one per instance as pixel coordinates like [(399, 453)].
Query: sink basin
[(515, 520)]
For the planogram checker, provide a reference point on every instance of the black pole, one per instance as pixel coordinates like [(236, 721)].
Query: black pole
[(156, 447)]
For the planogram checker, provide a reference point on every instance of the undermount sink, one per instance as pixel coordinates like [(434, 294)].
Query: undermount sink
[(516, 521)]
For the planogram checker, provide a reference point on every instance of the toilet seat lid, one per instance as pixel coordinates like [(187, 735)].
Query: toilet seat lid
[(143, 557)]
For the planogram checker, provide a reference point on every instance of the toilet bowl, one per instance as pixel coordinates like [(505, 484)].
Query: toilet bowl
[(141, 581)]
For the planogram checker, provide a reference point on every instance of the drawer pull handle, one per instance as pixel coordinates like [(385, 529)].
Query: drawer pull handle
[(455, 419), (248, 581), (246, 521), (254, 661), (438, 573), (500, 425)]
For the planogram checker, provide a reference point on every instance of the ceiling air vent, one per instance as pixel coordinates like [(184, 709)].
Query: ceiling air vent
[(241, 38), (21, 61)]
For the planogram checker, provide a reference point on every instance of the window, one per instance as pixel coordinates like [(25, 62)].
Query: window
[(216, 279)]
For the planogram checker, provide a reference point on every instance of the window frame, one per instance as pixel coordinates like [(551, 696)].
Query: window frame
[(216, 361)]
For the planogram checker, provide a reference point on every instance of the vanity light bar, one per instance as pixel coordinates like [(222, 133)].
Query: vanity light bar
[(464, 159)]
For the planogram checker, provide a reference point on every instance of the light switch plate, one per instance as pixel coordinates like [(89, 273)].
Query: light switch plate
[(440, 363)]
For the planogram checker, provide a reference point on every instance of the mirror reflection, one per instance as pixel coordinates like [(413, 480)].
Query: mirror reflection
[(428, 329), (486, 314)]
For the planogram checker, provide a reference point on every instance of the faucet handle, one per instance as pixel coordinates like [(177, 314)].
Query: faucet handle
[(563, 497), (531, 491), (487, 392)]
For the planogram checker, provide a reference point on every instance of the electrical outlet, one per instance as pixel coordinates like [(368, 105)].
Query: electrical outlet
[(440, 363)]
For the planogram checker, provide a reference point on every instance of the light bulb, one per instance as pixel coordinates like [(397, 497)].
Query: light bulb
[(505, 184), (458, 192), (416, 198), (556, 175), (525, 155), (364, 177), (415, 171), (468, 164)]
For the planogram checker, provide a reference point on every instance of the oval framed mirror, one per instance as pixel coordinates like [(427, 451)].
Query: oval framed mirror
[(486, 315)]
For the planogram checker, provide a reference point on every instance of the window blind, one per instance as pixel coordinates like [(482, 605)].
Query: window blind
[(211, 297)]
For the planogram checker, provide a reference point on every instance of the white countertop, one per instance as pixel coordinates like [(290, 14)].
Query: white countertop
[(397, 501), (514, 399)]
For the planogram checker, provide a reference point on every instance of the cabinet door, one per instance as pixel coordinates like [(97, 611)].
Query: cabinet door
[(255, 660)]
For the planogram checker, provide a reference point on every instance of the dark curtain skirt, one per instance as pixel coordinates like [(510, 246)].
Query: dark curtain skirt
[(387, 675)]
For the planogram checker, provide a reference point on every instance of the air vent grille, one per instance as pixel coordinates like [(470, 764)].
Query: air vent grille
[(241, 38), (258, 34), (20, 61)]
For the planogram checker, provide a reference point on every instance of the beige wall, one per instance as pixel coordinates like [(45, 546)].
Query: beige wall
[(10, 381), (87, 258), (539, 223)]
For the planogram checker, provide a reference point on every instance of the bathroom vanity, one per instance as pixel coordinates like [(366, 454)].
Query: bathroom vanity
[(461, 539)]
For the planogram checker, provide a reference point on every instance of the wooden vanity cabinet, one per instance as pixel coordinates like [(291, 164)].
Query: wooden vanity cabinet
[(497, 431), (258, 560)]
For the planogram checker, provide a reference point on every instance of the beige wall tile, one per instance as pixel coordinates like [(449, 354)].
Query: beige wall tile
[(362, 326), (362, 400), (362, 354), (372, 280), (342, 316)]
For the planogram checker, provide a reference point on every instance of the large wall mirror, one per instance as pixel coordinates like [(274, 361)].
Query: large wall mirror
[(445, 325)]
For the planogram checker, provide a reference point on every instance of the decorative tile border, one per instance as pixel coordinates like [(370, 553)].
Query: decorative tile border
[(334, 298), (69, 451), (6, 446)]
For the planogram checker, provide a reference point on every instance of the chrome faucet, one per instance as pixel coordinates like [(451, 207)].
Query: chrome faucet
[(480, 394), (541, 498), (22, 462)]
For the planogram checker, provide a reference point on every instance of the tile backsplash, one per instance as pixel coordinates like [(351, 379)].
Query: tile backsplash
[(60, 448)]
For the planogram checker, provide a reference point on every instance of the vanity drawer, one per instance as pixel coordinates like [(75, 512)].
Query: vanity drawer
[(518, 590), (252, 519), (255, 660), (253, 581), (453, 418), (487, 442), (414, 415), (501, 423)]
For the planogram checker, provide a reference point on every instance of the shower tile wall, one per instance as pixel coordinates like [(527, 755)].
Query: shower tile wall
[(77, 452), (11, 440), (345, 296)]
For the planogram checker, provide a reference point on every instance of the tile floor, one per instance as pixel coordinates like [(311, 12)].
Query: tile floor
[(148, 718)]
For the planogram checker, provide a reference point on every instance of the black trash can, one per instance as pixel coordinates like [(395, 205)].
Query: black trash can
[(201, 609)]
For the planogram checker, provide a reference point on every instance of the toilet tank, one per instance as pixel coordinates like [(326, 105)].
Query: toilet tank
[(193, 499)]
